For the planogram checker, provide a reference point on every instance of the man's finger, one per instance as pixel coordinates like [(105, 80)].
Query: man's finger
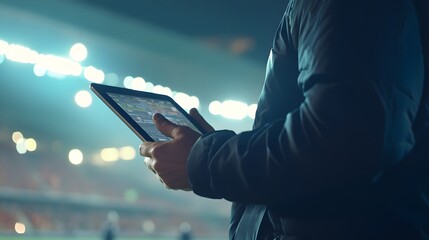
[(146, 149), (149, 164), (164, 125), (200, 120)]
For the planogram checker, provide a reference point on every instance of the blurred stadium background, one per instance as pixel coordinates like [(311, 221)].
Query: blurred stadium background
[(66, 161)]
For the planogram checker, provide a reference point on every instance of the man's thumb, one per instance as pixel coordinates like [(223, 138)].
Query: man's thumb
[(164, 125)]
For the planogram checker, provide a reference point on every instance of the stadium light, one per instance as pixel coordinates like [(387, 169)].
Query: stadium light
[(83, 99), (3, 47), (23, 144), (186, 101), (251, 111), (75, 156), (109, 154), (30, 144), (78, 52), (194, 102), (59, 65), (149, 87), (162, 90), (21, 54), (138, 83), (17, 136), (93, 74), (127, 153), (234, 109), (128, 82), (38, 70), (19, 228), (215, 107), (20, 146), (55, 66)]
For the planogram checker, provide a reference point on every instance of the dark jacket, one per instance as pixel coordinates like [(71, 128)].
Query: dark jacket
[(335, 152)]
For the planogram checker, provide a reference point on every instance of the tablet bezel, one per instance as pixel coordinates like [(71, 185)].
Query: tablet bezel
[(101, 91)]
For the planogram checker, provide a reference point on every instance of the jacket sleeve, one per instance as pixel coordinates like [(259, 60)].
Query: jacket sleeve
[(312, 151), (334, 138)]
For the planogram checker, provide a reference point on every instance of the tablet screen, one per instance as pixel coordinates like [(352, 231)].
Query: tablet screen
[(141, 110), (136, 109)]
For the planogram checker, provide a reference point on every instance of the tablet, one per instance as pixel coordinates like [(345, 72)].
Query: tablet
[(136, 108)]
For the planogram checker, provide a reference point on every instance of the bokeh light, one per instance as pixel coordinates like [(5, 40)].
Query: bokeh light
[(59, 65), (131, 195), (251, 111), (3, 47), (162, 90), (20, 146), (181, 98), (149, 87), (194, 102), (18, 53), (20, 228), (83, 99), (234, 109), (138, 83), (230, 109), (39, 70), (185, 101), (127, 153), (78, 52), (128, 81), (31, 144), (109, 154), (111, 79), (93, 74), (148, 226), (17, 136), (75, 156), (215, 107)]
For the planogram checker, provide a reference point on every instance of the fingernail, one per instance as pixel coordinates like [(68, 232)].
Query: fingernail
[(141, 148), (156, 116)]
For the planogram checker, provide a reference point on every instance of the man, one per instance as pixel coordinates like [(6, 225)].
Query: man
[(339, 148), (110, 227)]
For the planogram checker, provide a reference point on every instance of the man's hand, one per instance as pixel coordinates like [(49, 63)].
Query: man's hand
[(168, 160)]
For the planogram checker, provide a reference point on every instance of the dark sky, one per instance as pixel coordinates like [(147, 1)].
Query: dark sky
[(220, 21)]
